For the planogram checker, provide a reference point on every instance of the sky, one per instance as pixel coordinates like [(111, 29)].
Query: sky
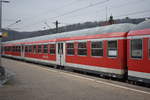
[(41, 14)]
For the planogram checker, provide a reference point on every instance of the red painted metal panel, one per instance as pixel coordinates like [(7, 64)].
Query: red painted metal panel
[(143, 64), (13, 53), (107, 62), (139, 65), (139, 32), (41, 56)]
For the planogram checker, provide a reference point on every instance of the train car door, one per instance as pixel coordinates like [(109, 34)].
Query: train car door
[(60, 48), (22, 50)]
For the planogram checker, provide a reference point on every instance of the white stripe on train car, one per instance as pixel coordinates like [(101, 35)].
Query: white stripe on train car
[(40, 60), (17, 57), (87, 67), (33, 59), (137, 37), (139, 74), (100, 39), (95, 68)]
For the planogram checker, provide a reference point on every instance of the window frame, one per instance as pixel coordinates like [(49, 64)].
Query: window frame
[(30, 49), (39, 49), (13, 48), (52, 49), (70, 48), (26, 49), (19, 48), (149, 48), (108, 49), (44, 49), (34, 48), (131, 49), (97, 48), (5, 49), (82, 48)]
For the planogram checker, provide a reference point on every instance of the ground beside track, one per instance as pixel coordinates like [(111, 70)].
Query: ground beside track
[(36, 82)]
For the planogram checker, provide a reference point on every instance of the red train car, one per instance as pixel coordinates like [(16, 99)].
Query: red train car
[(98, 50), (14, 50), (110, 50), (138, 48)]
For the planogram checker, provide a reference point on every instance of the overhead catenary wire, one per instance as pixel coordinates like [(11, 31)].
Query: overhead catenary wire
[(107, 8), (82, 8), (73, 11), (133, 13), (52, 10), (78, 9)]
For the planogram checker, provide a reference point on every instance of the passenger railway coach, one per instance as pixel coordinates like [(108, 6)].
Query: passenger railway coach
[(138, 50), (109, 50)]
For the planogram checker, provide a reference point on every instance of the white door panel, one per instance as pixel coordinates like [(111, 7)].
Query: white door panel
[(60, 52)]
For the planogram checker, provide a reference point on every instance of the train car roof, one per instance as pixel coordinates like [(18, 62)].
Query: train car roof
[(125, 27), (142, 25)]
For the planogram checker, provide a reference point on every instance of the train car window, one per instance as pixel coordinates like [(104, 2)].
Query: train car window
[(60, 48), (34, 48), (10, 48), (18, 49), (82, 49), (149, 47), (52, 48), (26, 48), (97, 48), (5, 48), (13, 48), (70, 48), (39, 48), (136, 48), (45, 49), (30, 48), (112, 49)]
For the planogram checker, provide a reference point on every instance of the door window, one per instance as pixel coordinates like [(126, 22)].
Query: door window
[(97, 48), (60, 48), (112, 49), (70, 48), (82, 49), (136, 48), (52, 48)]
